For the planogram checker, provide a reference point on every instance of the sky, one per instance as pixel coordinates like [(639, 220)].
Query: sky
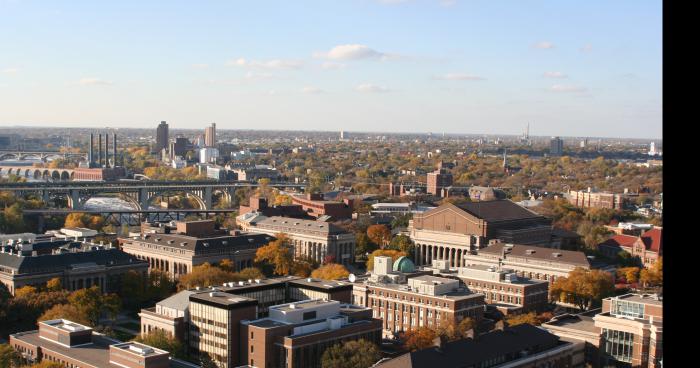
[(568, 68)]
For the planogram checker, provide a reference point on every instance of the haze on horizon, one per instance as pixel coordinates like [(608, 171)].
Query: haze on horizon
[(455, 66)]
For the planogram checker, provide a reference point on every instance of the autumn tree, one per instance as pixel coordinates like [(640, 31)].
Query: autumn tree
[(584, 288), (420, 338), (364, 245), (402, 243), (352, 354), (249, 273), (331, 271), (278, 253), (204, 275), (66, 311), (54, 284), (162, 340), (630, 274), (394, 254), (25, 291), (379, 234), (140, 289), (653, 276), (9, 357)]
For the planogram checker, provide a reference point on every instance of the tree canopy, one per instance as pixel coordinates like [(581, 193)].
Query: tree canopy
[(352, 354), (584, 288), (331, 271)]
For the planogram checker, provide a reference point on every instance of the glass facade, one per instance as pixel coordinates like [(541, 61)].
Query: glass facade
[(618, 344), (627, 309)]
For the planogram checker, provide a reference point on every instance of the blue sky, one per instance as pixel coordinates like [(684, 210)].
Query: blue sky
[(570, 68)]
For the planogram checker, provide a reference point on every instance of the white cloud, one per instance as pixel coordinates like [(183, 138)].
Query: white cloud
[(566, 88), (253, 75), (333, 66), (448, 3), (269, 64), (459, 76), (371, 88), (559, 75), (586, 48), (311, 90), (351, 52), (392, 1), (10, 70), (94, 82), (544, 45), (200, 66)]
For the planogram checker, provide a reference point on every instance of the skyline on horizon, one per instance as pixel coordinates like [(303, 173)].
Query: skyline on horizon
[(592, 69)]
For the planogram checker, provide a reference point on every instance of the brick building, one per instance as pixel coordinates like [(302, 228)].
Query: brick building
[(592, 199), (437, 181), (314, 205), (311, 239), (76, 346), (647, 248), (295, 335), (77, 264), (451, 231), (194, 243), (406, 301), (260, 205)]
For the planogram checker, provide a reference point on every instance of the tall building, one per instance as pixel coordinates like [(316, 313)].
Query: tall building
[(161, 136), (438, 180), (556, 146), (210, 135)]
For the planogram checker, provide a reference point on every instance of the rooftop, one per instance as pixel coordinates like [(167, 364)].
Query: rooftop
[(641, 298), (221, 299), (498, 210), (539, 253)]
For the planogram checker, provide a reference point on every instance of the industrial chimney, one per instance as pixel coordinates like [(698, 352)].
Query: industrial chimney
[(91, 157), (107, 150), (114, 142), (99, 150)]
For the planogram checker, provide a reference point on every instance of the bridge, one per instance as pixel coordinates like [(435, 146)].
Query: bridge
[(128, 217), (37, 173), (40, 155), (138, 194)]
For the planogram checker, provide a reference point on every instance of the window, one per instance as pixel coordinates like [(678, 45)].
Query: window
[(309, 315), (618, 344), (251, 335)]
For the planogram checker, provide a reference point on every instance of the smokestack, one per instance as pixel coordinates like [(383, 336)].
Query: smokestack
[(99, 150), (106, 149), (91, 157), (114, 142)]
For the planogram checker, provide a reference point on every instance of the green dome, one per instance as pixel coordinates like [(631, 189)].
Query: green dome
[(404, 264)]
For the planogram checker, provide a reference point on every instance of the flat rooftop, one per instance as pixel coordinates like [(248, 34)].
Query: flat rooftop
[(220, 298), (305, 304), (454, 295), (641, 298), (323, 284), (66, 325), (573, 321)]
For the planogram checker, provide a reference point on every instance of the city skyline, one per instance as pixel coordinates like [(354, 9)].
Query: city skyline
[(591, 69)]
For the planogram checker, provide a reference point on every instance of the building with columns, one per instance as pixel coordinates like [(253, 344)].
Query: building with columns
[(194, 243), (77, 264), (314, 239), (451, 231)]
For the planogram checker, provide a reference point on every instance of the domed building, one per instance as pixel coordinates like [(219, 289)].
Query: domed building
[(404, 264)]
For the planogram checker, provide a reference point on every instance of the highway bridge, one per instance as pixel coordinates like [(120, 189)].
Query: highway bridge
[(40, 155), (128, 217), (138, 193)]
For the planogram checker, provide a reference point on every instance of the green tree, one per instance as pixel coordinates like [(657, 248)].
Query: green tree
[(352, 354), (162, 340), (9, 357), (364, 245)]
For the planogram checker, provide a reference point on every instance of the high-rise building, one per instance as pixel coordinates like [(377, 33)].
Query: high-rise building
[(437, 180), (210, 135), (161, 136), (556, 146)]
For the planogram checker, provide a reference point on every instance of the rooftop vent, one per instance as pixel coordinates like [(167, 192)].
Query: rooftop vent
[(530, 251), (157, 239), (145, 350), (257, 281), (556, 255), (171, 241), (183, 244)]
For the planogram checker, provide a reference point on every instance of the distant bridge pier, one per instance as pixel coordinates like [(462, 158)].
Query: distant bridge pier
[(74, 199), (208, 198)]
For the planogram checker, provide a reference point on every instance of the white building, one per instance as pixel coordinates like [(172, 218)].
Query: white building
[(208, 155), (178, 163)]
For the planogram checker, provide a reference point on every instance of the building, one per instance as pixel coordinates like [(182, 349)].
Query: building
[(192, 244), (208, 155), (401, 208), (405, 299), (257, 172), (626, 332), (503, 289), (296, 334), (485, 193), (179, 146), (76, 346), (629, 228), (647, 248), (77, 264), (210, 135), (161, 137), (523, 346), (438, 180), (259, 205), (172, 314), (178, 163), (593, 199), (314, 205), (556, 146), (532, 262), (402, 189), (220, 173), (311, 239), (451, 231)]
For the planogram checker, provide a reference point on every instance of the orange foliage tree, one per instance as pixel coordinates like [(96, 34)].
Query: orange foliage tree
[(379, 234), (331, 271), (277, 253), (418, 339)]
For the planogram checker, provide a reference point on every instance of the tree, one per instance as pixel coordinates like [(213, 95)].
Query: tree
[(277, 253), (54, 284), (363, 244), (352, 354), (25, 291), (204, 275), (519, 319), (303, 266), (9, 357), (402, 243), (584, 288), (66, 311), (418, 339), (227, 265), (249, 273), (379, 234), (331, 271), (653, 276), (394, 254), (46, 364), (631, 274), (162, 340)]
